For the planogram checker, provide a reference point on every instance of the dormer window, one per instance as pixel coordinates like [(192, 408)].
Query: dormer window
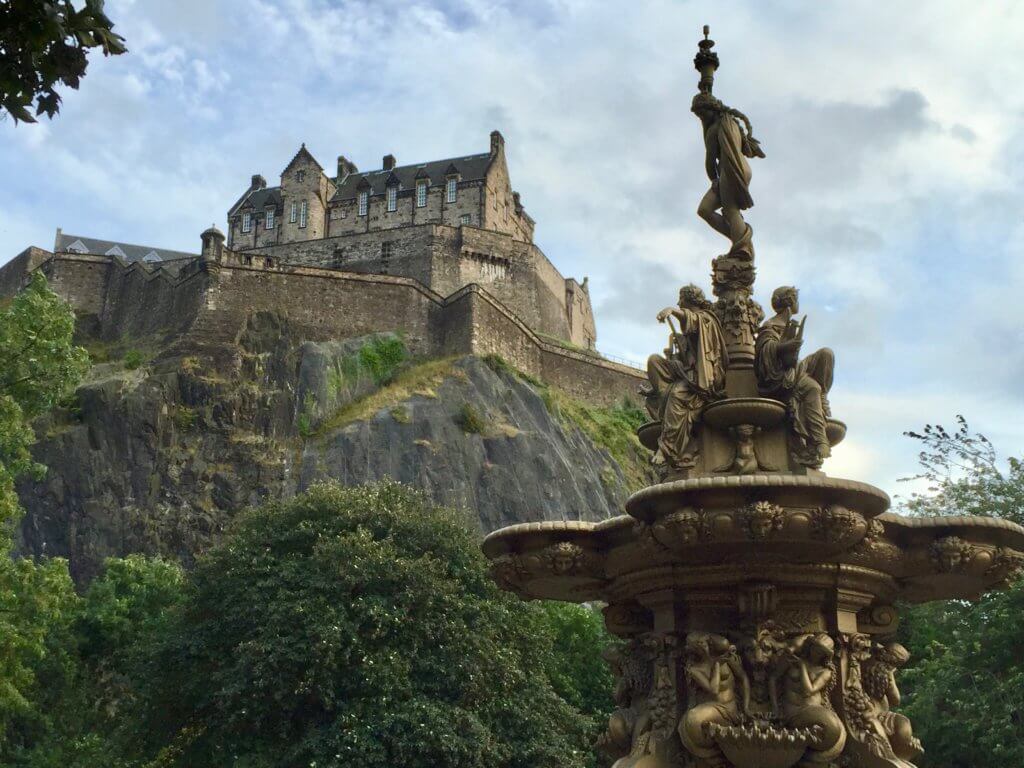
[(392, 198), (421, 193), (294, 215), (302, 214), (451, 189), (246, 222), (364, 203), (269, 221)]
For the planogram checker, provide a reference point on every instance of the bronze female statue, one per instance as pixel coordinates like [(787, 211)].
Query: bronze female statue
[(727, 147)]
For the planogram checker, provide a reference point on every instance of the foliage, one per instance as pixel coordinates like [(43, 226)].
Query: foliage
[(381, 357), (356, 626), (471, 420), (133, 359), (82, 689), (578, 672), (44, 43), (964, 688), (38, 366)]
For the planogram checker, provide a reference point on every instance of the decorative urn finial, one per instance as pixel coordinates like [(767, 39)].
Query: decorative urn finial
[(706, 62)]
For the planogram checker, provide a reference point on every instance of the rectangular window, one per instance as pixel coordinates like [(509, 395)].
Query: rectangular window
[(364, 202), (451, 188), (270, 219), (302, 214), (294, 214), (246, 222), (392, 198), (465, 219), (421, 194)]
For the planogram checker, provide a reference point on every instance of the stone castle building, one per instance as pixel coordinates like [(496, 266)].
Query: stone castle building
[(441, 252), (446, 223)]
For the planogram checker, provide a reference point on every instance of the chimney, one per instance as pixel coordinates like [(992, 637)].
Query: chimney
[(258, 182), (497, 143), (345, 167), (389, 162)]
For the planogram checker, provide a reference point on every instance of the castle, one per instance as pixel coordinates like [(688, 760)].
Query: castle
[(441, 252)]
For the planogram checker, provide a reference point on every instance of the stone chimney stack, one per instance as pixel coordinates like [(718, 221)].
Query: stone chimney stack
[(345, 167), (258, 182), (389, 162), (497, 143)]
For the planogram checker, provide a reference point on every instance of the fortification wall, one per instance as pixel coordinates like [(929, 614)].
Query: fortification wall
[(15, 272), (208, 304)]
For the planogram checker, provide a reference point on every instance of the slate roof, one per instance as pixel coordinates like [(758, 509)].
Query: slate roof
[(470, 168), (126, 251)]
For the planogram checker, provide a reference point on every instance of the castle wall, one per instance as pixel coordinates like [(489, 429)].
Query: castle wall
[(14, 274), (81, 281), (140, 302)]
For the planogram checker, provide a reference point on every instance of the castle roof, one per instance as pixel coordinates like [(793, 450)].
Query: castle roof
[(125, 251), (469, 168)]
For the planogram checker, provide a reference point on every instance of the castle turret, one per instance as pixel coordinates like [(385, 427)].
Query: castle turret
[(213, 244)]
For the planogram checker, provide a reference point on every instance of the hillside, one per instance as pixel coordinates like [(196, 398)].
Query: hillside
[(158, 450)]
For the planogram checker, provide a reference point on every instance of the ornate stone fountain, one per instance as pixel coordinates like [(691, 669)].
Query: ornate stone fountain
[(753, 593)]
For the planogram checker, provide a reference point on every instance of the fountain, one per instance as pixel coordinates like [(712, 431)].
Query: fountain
[(754, 595)]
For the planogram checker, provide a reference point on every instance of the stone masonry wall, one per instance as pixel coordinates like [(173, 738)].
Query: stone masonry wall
[(15, 272), (209, 305)]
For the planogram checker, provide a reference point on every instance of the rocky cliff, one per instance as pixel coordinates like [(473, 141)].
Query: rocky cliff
[(159, 449)]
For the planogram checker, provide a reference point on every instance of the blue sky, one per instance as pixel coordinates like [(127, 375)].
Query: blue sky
[(891, 193)]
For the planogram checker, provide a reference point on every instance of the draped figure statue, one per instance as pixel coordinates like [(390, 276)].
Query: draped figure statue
[(690, 375), (727, 147)]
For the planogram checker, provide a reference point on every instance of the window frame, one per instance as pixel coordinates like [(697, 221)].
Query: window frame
[(270, 218), (247, 222), (293, 215), (451, 189), (391, 195), (421, 193), (363, 203), (303, 214)]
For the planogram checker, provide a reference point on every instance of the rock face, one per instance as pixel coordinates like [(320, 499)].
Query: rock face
[(160, 458)]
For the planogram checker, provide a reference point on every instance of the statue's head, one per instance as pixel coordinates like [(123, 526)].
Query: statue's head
[(705, 105), (692, 297), (786, 297), (819, 648), (893, 654)]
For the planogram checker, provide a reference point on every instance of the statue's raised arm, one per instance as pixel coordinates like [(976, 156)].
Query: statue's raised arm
[(728, 141)]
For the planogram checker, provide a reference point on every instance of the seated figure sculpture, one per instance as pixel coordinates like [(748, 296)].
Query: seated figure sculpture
[(800, 696), (686, 378), (802, 384), (713, 670)]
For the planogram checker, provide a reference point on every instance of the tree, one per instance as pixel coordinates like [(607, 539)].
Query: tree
[(965, 684), (44, 43), (356, 626), (39, 364)]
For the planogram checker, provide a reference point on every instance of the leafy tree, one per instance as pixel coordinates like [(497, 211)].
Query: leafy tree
[(39, 364), (44, 43), (965, 685), (356, 626), (577, 670)]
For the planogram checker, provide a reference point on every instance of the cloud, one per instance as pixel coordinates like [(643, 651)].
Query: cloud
[(890, 193)]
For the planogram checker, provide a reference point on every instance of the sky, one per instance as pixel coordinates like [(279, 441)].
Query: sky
[(892, 193)]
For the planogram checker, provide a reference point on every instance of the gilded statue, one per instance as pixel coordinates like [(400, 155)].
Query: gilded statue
[(879, 681), (713, 671), (630, 723), (800, 696), (803, 384), (689, 375), (727, 147)]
